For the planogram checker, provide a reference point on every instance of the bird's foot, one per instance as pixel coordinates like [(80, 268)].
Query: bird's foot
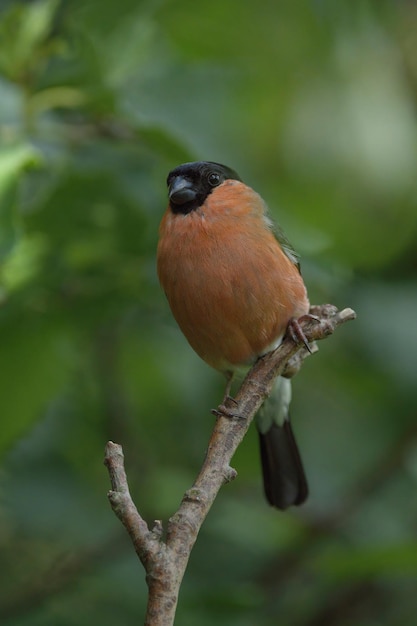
[(296, 333), (226, 411)]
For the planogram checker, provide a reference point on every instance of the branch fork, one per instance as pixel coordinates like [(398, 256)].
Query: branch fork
[(165, 561)]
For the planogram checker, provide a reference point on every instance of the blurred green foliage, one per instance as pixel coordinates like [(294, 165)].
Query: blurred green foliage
[(314, 103)]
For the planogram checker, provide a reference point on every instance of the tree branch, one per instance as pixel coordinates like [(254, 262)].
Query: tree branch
[(165, 561)]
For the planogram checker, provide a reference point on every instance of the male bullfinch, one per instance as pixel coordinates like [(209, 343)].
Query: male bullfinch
[(233, 284)]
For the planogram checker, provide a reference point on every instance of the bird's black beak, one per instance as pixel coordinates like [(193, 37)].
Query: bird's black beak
[(181, 191)]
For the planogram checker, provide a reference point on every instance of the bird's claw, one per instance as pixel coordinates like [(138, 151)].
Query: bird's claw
[(224, 411), (296, 333)]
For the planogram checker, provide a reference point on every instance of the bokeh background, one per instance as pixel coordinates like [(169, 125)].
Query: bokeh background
[(314, 104)]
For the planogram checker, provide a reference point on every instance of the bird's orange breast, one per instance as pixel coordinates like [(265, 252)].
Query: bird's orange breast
[(231, 288)]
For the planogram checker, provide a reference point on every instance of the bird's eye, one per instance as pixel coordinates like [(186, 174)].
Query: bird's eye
[(213, 179)]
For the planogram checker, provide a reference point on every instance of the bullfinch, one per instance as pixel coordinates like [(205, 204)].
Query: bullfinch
[(233, 283)]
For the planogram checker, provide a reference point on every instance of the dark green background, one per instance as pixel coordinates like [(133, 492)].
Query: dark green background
[(314, 104)]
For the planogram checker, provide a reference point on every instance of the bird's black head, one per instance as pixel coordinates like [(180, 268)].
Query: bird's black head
[(190, 184)]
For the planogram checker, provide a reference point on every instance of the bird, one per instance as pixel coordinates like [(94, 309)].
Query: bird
[(234, 285)]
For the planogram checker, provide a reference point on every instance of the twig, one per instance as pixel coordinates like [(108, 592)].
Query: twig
[(165, 561)]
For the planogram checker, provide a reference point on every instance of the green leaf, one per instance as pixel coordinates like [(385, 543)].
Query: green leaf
[(13, 160), (33, 369), (23, 30)]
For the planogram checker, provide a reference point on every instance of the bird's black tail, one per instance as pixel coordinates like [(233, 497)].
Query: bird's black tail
[(285, 482)]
